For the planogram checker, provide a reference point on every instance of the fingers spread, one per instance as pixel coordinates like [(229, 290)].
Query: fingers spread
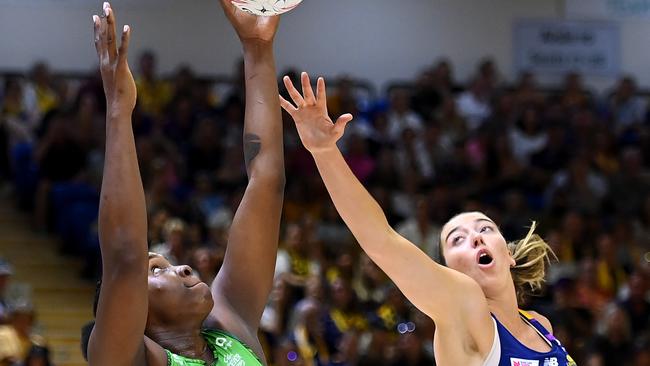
[(124, 44), (321, 94), (307, 91), (103, 37), (341, 122), (287, 106), (295, 95), (111, 44), (96, 37)]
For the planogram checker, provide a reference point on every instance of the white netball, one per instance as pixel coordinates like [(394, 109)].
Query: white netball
[(266, 7)]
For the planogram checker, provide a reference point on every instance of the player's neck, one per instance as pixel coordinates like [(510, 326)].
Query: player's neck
[(187, 342), (503, 304)]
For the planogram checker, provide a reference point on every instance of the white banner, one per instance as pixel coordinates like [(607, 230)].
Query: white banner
[(608, 9), (554, 46)]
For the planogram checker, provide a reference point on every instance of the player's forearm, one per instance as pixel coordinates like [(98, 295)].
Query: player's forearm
[(263, 148), (361, 213), (122, 209)]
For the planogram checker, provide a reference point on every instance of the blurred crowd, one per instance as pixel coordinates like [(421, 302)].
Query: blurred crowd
[(20, 345), (575, 161)]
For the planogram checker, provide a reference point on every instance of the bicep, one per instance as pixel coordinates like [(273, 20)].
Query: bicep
[(246, 276), (454, 301), (436, 290), (117, 337)]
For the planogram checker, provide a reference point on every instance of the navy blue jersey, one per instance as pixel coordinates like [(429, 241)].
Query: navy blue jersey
[(514, 353)]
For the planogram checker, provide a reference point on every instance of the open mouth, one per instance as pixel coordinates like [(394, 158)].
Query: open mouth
[(484, 258)]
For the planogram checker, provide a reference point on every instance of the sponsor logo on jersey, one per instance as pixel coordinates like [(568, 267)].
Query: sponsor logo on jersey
[(551, 361), (223, 342), (522, 362), (234, 359)]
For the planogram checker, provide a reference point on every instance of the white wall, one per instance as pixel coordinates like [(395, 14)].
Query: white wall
[(379, 40)]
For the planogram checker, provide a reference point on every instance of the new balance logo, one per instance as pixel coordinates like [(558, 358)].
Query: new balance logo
[(551, 362)]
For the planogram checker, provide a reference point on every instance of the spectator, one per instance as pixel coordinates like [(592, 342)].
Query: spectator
[(527, 137), (615, 337), (443, 77), (527, 91), (426, 96), (38, 356), (6, 271), (574, 95), (17, 338), (401, 116), (632, 184), (153, 93), (628, 110), (60, 157), (474, 104), (174, 247), (342, 317), (40, 96), (420, 229), (637, 306), (294, 263)]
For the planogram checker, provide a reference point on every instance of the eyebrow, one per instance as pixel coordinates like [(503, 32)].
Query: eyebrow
[(475, 221)]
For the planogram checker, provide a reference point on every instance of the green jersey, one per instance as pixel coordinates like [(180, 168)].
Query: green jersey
[(227, 350)]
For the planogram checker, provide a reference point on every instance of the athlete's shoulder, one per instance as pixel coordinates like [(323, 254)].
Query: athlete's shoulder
[(540, 318)]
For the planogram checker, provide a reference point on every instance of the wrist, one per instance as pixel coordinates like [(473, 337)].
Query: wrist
[(117, 113), (324, 152), (257, 46)]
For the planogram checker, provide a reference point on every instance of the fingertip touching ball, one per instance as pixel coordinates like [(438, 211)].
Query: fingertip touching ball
[(266, 7)]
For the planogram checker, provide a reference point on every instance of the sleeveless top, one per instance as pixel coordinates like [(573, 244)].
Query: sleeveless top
[(227, 351), (508, 351)]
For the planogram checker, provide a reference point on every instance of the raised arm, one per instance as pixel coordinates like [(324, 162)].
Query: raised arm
[(246, 277), (432, 288), (118, 336)]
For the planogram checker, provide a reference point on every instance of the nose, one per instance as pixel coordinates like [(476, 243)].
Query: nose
[(477, 239), (184, 271)]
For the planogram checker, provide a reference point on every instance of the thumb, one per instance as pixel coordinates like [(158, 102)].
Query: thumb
[(343, 121)]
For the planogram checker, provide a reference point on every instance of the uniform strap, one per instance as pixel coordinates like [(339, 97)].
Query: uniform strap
[(537, 325)]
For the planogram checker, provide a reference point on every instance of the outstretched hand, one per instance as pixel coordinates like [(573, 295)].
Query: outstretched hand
[(317, 131), (119, 85), (250, 27)]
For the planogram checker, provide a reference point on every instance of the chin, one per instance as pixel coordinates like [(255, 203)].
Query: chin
[(198, 299), (208, 298), (205, 294)]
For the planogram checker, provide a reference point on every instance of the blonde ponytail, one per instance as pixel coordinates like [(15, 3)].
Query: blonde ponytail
[(531, 254)]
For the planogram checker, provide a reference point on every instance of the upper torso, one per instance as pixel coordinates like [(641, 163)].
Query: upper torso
[(226, 349), (506, 350), (515, 353)]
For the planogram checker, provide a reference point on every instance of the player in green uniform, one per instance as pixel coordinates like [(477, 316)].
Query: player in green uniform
[(150, 312)]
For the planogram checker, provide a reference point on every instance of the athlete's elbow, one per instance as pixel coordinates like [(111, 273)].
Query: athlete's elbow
[(374, 241), (126, 255), (275, 180)]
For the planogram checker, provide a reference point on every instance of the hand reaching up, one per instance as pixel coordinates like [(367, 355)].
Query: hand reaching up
[(309, 112), (119, 85), (250, 27)]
